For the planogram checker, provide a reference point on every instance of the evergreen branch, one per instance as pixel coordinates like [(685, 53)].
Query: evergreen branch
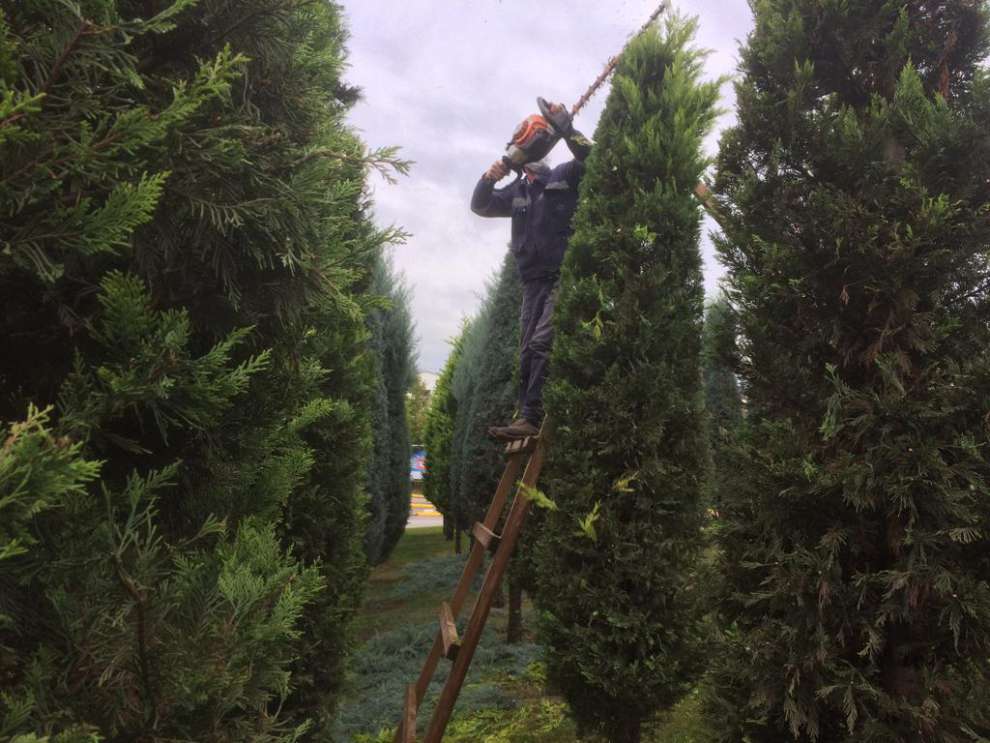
[(189, 41), (142, 639), (84, 26), (248, 18), (20, 111), (110, 139), (383, 160)]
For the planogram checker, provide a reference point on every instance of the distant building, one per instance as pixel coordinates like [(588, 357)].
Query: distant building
[(429, 379)]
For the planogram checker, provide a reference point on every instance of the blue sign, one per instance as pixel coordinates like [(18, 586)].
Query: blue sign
[(417, 464)]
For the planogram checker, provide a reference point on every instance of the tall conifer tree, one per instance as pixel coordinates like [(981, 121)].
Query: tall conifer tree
[(464, 385), (392, 346), (399, 366), (184, 232), (855, 541), (723, 402), (628, 448), (494, 392), (440, 433)]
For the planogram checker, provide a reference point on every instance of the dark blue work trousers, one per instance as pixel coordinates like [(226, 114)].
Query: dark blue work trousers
[(536, 321)]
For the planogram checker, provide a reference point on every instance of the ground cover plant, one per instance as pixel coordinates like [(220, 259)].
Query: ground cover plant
[(506, 698)]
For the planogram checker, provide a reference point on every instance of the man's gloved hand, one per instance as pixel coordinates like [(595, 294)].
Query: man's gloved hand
[(497, 171), (560, 119)]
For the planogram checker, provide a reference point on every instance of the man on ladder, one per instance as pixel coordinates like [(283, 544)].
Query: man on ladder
[(541, 203)]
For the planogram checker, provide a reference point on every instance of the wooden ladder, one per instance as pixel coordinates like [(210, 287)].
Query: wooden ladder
[(447, 644)]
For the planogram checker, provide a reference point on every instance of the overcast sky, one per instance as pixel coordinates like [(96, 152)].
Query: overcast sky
[(448, 81)]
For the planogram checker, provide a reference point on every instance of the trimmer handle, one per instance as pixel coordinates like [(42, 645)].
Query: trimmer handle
[(544, 106), (517, 168)]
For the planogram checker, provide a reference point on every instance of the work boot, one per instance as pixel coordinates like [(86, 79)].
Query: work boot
[(518, 429)]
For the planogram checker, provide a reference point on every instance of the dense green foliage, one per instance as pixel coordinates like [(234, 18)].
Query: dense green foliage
[(439, 434), (464, 387), (628, 449), (854, 543), (723, 402), (475, 390), (417, 408), (388, 472), (184, 245), (488, 394)]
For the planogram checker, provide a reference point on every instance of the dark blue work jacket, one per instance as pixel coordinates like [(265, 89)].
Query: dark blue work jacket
[(541, 214)]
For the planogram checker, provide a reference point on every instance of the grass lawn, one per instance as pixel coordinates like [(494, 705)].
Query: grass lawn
[(388, 602), (504, 698)]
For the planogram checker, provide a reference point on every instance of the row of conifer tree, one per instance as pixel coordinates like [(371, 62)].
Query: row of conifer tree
[(790, 510), (205, 357)]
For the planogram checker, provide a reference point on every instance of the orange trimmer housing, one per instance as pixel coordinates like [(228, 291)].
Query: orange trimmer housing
[(532, 141)]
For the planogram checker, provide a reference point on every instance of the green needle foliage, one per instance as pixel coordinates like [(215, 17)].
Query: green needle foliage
[(628, 450), (184, 245), (723, 402), (418, 403), (854, 536), (440, 431), (395, 369), (476, 390), (492, 362), (464, 385)]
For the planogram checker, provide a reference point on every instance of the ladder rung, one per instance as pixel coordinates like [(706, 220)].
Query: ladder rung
[(521, 446), (409, 716), (448, 632), (489, 539)]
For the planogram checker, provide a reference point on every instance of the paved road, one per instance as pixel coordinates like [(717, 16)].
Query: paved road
[(421, 522)]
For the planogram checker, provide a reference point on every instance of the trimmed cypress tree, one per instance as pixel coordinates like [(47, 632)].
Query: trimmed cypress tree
[(493, 391), (392, 341), (628, 448), (440, 433), (416, 410), (464, 385), (400, 365), (491, 360), (378, 469), (723, 402), (482, 385), (855, 537), (323, 516), (184, 227)]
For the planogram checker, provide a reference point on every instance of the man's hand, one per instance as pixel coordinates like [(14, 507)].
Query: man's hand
[(560, 119), (497, 171)]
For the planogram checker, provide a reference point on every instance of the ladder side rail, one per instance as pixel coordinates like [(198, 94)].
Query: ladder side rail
[(472, 635), (408, 726), (475, 560)]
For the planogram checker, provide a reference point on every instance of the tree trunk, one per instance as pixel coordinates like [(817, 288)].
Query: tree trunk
[(457, 541), (498, 600), (448, 528), (514, 631), (628, 731)]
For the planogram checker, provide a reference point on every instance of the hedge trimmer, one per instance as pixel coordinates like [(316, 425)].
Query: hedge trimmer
[(535, 137)]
